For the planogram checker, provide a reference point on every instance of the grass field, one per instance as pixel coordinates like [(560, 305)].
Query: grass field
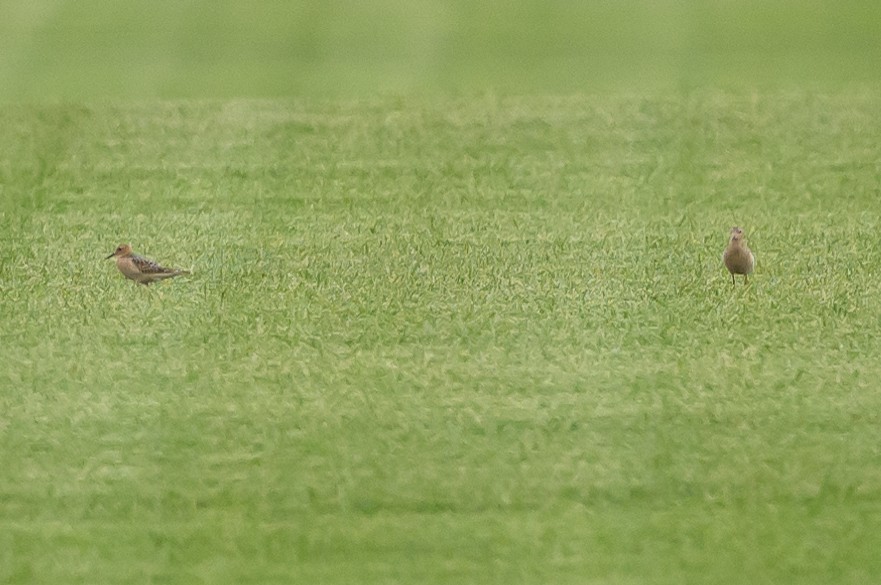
[(136, 49), (438, 340)]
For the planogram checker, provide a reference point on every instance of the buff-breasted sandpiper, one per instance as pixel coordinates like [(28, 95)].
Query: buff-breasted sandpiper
[(140, 269), (737, 256)]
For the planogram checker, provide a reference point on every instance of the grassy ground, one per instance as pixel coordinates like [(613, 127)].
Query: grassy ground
[(138, 49), (474, 341)]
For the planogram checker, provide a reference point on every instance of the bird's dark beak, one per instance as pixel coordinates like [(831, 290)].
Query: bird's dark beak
[(111, 256)]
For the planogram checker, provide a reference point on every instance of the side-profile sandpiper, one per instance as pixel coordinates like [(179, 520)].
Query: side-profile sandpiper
[(140, 269)]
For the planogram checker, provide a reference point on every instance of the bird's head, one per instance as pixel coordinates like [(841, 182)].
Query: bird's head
[(121, 250)]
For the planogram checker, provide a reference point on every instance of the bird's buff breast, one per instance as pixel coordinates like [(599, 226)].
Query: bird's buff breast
[(739, 260), (128, 268)]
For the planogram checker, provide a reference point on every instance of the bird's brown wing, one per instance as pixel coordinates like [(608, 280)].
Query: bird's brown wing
[(147, 266)]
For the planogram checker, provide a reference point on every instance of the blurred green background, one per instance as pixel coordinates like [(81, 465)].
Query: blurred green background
[(72, 50)]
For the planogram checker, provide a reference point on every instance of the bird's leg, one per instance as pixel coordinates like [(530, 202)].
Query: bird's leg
[(732, 279)]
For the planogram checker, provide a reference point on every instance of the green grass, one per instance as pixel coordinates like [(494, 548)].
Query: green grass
[(442, 341), (137, 49)]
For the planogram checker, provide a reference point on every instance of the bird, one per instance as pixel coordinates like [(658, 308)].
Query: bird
[(140, 269), (737, 256)]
